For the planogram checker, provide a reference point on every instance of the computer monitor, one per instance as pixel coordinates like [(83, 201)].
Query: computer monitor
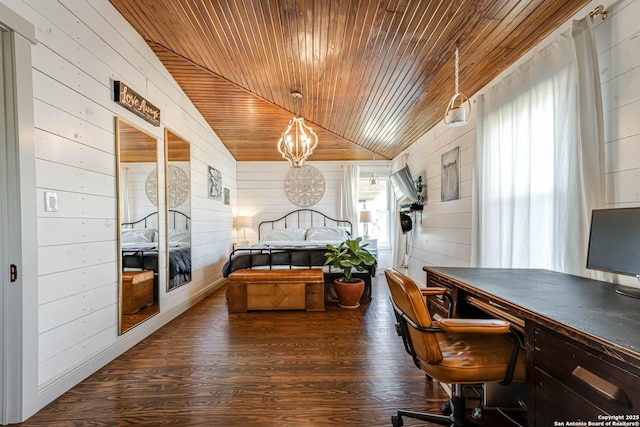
[(614, 244)]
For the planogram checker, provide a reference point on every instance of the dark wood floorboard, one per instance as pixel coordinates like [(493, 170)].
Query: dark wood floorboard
[(131, 320), (287, 368)]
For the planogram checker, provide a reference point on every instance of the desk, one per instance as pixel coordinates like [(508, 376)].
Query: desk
[(582, 338)]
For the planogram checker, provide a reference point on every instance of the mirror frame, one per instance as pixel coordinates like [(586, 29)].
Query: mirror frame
[(156, 287), (167, 133)]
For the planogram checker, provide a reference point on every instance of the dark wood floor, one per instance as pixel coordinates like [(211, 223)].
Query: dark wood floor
[(211, 368)]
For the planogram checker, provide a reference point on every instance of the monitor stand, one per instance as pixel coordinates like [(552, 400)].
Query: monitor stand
[(628, 291)]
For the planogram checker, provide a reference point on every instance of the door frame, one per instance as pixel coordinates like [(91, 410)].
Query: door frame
[(19, 310), (4, 226)]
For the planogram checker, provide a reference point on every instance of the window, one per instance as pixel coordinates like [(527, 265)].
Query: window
[(374, 198)]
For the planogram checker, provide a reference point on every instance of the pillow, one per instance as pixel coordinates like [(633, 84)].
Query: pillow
[(327, 234), (138, 235), (284, 235), (179, 237)]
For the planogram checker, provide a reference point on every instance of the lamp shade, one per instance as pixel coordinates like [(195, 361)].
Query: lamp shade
[(366, 216), (243, 222)]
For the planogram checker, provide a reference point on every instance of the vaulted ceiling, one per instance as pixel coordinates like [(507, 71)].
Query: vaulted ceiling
[(375, 74)]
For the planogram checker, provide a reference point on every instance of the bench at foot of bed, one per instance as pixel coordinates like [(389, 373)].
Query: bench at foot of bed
[(294, 289)]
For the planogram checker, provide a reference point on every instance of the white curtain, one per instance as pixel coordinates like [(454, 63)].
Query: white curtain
[(538, 167), (349, 195), (400, 241), (125, 205), (590, 189), (395, 232)]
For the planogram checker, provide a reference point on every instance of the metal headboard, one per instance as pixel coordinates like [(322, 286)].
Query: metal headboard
[(303, 218), (174, 217)]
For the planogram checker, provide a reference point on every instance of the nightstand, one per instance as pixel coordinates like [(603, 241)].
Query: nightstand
[(372, 246), (241, 245)]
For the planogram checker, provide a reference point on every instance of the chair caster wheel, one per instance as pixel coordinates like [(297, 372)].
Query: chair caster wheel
[(446, 409), (396, 421), (476, 413)]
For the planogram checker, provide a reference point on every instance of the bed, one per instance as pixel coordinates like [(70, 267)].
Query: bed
[(139, 241), (297, 240)]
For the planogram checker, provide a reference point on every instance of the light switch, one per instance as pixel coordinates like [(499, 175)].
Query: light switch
[(50, 201)]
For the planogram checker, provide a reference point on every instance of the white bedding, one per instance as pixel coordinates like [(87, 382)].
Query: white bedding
[(287, 238), (147, 239), (286, 244), (139, 246)]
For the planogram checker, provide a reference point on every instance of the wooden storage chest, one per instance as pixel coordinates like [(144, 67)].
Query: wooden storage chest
[(137, 290), (285, 289)]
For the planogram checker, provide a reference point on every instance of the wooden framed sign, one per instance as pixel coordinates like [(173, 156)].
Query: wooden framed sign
[(131, 100)]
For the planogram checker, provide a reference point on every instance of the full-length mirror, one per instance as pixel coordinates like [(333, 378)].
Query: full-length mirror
[(178, 178), (137, 177)]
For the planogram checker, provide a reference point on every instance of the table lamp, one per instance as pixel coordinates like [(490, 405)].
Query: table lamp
[(243, 222), (366, 217)]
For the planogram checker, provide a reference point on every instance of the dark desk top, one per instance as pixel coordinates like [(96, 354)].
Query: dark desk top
[(584, 305)]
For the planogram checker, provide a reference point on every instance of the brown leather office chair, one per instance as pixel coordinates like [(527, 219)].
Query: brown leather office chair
[(452, 351)]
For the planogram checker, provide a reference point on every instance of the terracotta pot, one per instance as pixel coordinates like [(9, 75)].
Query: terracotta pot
[(349, 293)]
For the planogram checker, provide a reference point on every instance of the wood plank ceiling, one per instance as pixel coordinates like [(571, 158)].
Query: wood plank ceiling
[(375, 75)]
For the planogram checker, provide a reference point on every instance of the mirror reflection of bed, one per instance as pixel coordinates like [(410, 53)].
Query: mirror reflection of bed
[(139, 242), (178, 179)]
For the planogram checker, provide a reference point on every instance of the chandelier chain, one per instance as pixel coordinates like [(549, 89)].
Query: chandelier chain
[(297, 97)]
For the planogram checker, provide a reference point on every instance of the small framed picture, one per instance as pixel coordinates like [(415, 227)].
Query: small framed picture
[(227, 196), (215, 184), (450, 177)]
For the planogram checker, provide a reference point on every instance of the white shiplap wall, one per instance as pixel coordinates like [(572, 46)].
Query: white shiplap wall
[(261, 192), (618, 41), (444, 236), (82, 46)]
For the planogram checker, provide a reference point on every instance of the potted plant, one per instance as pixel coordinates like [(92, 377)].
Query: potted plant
[(347, 256)]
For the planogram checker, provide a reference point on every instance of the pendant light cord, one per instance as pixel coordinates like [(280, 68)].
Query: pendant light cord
[(459, 107)]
